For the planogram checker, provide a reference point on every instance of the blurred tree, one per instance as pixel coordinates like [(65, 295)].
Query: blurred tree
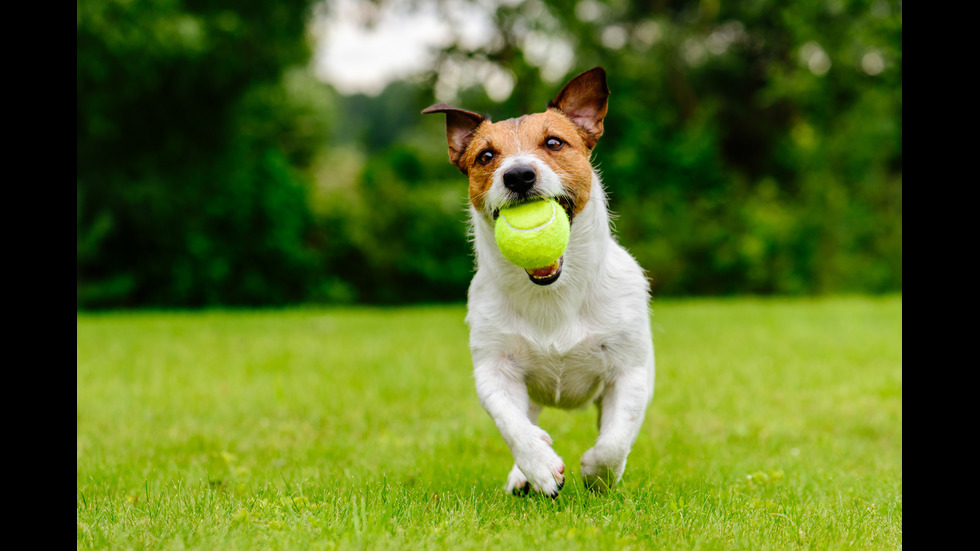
[(750, 147), (397, 234), (191, 141)]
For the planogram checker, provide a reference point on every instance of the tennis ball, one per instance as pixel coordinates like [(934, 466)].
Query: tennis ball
[(534, 234)]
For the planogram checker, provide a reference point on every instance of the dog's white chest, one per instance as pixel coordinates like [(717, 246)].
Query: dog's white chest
[(566, 372)]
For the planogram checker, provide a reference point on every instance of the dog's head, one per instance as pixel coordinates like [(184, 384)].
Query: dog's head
[(539, 155)]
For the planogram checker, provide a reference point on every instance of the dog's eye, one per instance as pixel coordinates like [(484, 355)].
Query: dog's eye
[(484, 157), (554, 143)]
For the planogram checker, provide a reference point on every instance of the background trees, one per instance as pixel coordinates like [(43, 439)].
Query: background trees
[(750, 147)]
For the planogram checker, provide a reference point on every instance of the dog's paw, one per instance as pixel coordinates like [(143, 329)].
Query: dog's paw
[(602, 468), (517, 483), (537, 467)]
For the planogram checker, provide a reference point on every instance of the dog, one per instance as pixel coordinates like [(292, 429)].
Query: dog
[(564, 336)]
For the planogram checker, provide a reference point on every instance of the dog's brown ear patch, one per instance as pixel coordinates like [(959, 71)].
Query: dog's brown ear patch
[(584, 100), (460, 127)]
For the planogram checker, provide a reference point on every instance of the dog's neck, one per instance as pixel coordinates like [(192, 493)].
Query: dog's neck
[(588, 244)]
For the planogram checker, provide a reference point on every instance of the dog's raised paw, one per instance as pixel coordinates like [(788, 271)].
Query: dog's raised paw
[(549, 481), (537, 463)]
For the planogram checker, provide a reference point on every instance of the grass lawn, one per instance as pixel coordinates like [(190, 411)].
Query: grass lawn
[(775, 424)]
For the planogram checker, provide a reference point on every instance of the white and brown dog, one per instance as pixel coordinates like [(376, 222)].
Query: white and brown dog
[(576, 333)]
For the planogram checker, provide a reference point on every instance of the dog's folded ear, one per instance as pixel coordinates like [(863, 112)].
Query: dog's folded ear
[(584, 100), (460, 126)]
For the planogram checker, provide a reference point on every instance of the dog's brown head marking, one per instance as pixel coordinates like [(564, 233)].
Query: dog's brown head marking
[(563, 136)]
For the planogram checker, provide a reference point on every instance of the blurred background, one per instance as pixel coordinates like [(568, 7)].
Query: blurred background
[(252, 153)]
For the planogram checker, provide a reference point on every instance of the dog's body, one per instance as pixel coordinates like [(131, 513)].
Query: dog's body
[(575, 333)]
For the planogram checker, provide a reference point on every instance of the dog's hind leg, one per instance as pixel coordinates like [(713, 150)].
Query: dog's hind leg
[(622, 407), (506, 400)]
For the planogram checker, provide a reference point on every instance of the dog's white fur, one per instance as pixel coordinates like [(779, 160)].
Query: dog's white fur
[(584, 338)]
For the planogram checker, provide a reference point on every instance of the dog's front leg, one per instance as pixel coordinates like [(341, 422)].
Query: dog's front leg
[(516, 481), (622, 408), (505, 398)]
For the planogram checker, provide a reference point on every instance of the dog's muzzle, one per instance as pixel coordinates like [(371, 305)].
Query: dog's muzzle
[(520, 179)]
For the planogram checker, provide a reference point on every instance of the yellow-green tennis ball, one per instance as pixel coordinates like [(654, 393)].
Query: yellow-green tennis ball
[(534, 234)]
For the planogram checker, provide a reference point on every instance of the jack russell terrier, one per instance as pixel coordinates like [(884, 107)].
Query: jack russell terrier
[(574, 333)]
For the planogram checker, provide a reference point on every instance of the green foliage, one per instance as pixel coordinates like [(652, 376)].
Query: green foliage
[(750, 147), (190, 147), (360, 428), (400, 235)]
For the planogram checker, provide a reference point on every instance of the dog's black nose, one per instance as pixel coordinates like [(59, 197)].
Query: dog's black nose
[(519, 179)]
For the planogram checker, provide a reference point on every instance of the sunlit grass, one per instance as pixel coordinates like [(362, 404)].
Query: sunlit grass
[(775, 424)]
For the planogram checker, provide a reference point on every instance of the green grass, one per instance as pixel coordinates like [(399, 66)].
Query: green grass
[(775, 424)]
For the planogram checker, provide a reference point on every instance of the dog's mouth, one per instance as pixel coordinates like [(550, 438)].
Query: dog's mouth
[(546, 275), (565, 203)]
